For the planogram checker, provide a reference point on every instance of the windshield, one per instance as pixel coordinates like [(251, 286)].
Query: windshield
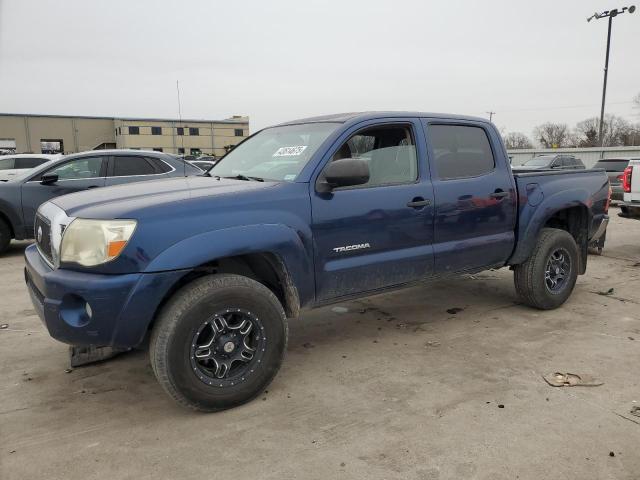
[(538, 161), (277, 153), (6, 163)]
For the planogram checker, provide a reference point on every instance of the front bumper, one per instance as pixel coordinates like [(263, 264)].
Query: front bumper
[(120, 307)]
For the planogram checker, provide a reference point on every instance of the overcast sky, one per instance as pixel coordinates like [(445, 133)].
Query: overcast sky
[(277, 60)]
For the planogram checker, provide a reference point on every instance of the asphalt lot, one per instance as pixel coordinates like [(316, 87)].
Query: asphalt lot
[(394, 387)]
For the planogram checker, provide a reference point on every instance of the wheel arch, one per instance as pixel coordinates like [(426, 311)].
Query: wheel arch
[(264, 267), (557, 211)]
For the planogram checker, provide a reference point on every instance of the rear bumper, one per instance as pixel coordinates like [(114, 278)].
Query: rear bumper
[(617, 193), (91, 309)]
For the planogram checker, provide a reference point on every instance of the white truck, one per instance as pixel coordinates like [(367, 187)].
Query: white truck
[(630, 207)]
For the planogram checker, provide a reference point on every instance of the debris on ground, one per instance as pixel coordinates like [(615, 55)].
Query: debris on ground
[(68, 370), (84, 355), (339, 309), (501, 406), (635, 411), (611, 454), (608, 292), (4, 326), (308, 345), (432, 344), (558, 379), (454, 310)]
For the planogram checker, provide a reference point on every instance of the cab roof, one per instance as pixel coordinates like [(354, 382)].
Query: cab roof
[(372, 115)]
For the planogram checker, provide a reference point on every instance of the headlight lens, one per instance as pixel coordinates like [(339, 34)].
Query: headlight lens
[(92, 242)]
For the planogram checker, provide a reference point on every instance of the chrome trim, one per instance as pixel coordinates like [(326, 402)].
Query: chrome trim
[(57, 218), (106, 177)]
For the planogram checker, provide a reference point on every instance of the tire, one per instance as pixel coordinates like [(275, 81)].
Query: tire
[(5, 236), (530, 277), (195, 335)]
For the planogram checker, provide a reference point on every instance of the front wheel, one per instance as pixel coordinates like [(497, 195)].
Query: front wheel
[(547, 278), (218, 342), (5, 236)]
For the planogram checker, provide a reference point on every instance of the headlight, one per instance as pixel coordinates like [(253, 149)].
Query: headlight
[(92, 242)]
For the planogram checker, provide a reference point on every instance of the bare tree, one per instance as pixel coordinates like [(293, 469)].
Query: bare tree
[(515, 140), (552, 135), (616, 132), (587, 132)]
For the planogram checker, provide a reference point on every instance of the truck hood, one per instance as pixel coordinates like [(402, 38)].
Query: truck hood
[(123, 200)]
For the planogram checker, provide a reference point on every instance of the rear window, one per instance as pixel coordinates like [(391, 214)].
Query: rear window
[(29, 162), (612, 165)]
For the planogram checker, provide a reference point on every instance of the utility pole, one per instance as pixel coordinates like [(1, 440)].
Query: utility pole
[(607, 14), (490, 115)]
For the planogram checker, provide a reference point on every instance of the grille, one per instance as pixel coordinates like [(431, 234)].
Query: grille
[(42, 231)]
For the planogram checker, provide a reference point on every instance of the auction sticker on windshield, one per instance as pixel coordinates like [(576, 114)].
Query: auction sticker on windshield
[(290, 151)]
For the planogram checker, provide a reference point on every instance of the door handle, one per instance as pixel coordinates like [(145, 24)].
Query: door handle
[(418, 202), (499, 194)]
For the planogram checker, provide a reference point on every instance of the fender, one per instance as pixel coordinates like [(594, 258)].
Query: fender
[(277, 239), (531, 219)]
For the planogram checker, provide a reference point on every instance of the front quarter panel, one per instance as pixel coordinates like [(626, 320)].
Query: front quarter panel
[(11, 207), (279, 240)]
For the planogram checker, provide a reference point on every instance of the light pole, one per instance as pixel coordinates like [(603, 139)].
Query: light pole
[(610, 14)]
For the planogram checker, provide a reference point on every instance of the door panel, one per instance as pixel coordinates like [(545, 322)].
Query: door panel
[(368, 237), (74, 176), (474, 195)]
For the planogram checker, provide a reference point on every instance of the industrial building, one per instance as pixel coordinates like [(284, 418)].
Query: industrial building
[(27, 133)]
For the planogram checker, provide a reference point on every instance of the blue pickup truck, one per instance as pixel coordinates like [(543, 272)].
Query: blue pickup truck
[(300, 215)]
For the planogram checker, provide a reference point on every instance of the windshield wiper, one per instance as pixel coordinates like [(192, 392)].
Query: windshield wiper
[(245, 177)]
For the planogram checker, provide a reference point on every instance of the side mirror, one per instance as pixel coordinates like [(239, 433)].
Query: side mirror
[(345, 173), (48, 179)]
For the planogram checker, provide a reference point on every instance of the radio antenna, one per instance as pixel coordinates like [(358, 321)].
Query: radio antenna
[(184, 164)]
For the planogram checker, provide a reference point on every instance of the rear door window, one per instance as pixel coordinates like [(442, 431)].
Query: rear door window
[(126, 166), (461, 151)]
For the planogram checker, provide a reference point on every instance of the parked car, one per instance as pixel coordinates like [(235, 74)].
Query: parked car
[(14, 165), (615, 171), (630, 207), (560, 161), (203, 165), (301, 215), (21, 196)]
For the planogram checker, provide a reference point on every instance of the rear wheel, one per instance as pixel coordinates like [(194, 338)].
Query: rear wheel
[(5, 236), (548, 277), (219, 342)]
